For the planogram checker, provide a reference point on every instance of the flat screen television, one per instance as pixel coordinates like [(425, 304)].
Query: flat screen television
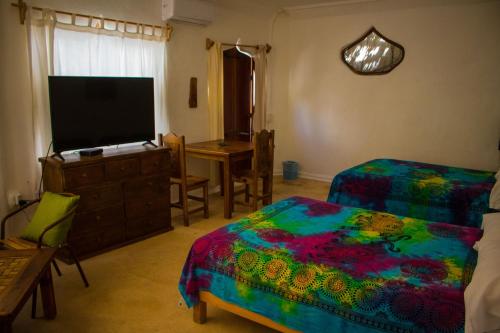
[(89, 112)]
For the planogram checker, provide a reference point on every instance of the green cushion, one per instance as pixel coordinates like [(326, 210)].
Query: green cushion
[(51, 208)]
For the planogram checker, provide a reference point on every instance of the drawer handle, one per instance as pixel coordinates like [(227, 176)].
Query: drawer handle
[(149, 204), (84, 175), (150, 183), (98, 217), (123, 168), (156, 163)]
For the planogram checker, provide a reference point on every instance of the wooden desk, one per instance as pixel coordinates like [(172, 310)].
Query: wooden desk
[(20, 272), (232, 152)]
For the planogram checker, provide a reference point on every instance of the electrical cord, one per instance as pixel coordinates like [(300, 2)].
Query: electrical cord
[(43, 170)]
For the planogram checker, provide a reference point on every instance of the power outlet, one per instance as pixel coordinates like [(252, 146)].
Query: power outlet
[(13, 198)]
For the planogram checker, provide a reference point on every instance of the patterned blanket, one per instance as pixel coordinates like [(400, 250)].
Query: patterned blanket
[(320, 267), (424, 191)]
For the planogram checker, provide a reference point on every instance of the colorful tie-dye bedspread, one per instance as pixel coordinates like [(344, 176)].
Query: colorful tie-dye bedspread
[(320, 267), (424, 191)]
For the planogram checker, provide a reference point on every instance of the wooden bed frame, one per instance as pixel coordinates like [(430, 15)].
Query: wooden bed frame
[(200, 312)]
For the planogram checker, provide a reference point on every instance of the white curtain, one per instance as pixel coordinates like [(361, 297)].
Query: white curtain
[(80, 52), (216, 92), (261, 84), (40, 30)]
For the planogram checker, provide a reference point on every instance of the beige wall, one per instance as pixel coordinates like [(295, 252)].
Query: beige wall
[(441, 105), (16, 149)]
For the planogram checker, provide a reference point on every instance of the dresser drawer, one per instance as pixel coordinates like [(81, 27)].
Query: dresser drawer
[(98, 197), (143, 226), (135, 208), (84, 175), (93, 241), (155, 163), (147, 187), (118, 169), (96, 220)]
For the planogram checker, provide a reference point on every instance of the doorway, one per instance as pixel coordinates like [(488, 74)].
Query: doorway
[(239, 101)]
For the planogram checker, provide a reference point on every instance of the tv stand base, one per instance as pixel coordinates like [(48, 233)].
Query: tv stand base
[(58, 155), (150, 143)]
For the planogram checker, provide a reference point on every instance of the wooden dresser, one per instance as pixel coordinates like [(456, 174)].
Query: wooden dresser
[(125, 196)]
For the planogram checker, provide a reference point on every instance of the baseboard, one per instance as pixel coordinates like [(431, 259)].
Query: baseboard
[(304, 175), (316, 176), (308, 175)]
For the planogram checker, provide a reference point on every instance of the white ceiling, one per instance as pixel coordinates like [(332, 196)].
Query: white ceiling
[(302, 4), (290, 3), (273, 5), (293, 3)]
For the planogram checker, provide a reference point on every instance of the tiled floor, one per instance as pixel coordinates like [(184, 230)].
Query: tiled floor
[(134, 288)]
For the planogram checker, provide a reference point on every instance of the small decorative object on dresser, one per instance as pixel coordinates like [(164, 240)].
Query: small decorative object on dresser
[(124, 196)]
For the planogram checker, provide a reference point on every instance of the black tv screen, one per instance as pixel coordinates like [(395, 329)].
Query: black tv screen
[(89, 112)]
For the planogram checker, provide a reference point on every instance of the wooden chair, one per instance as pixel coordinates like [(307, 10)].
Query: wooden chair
[(17, 243), (186, 183), (262, 168)]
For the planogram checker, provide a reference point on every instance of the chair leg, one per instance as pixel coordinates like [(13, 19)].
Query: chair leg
[(185, 208), (33, 302), (77, 263), (232, 198), (247, 193), (205, 201), (56, 267), (180, 194), (255, 194), (267, 189)]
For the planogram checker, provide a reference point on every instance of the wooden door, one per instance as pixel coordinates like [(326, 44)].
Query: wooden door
[(238, 95)]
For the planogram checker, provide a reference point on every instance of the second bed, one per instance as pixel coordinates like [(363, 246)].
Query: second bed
[(425, 191)]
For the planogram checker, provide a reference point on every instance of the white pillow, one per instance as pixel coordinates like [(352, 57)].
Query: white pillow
[(482, 295), (495, 196), (491, 227)]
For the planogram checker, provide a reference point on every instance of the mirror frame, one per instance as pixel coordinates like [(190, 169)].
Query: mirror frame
[(390, 41)]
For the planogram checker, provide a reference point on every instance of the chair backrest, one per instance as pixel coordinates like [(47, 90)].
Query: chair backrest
[(263, 153), (52, 219), (177, 153)]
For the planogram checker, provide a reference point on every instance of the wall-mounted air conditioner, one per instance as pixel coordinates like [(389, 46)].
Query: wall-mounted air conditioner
[(193, 11)]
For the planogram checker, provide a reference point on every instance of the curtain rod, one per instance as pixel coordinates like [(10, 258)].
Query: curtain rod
[(23, 8), (209, 43)]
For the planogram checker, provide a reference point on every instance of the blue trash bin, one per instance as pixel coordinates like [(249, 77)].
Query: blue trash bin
[(290, 170)]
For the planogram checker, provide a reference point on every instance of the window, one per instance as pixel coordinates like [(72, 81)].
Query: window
[(84, 53)]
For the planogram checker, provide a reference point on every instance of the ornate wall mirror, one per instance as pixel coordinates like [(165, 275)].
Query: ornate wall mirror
[(373, 54)]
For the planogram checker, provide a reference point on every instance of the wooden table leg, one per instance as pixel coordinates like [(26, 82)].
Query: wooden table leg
[(221, 178), (228, 188), (48, 297), (200, 313), (5, 325)]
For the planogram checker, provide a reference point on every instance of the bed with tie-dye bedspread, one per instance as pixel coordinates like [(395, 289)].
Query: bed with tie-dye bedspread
[(320, 267), (420, 190)]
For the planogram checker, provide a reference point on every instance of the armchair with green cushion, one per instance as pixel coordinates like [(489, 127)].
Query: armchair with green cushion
[(48, 227)]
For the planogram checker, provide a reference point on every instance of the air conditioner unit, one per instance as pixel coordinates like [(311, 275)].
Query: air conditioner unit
[(193, 11)]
